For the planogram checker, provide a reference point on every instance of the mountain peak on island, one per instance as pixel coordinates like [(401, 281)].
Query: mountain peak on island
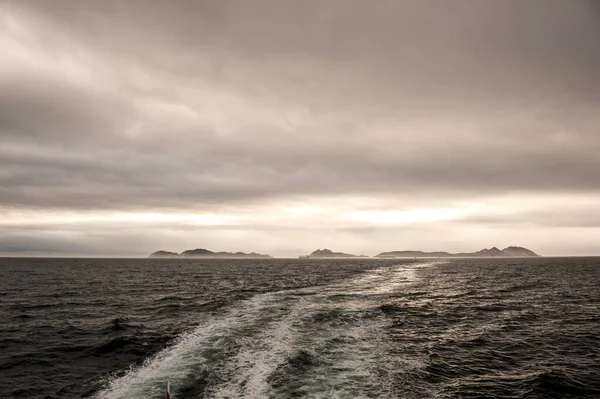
[(205, 253), (518, 251), (197, 252), (327, 253), (494, 251), (164, 254)]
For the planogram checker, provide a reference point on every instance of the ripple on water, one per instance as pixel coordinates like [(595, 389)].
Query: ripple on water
[(305, 328)]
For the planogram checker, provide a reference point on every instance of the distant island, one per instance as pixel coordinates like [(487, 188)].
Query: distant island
[(205, 253), (327, 253), (492, 252)]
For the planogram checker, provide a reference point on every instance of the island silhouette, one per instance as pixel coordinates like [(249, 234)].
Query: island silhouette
[(205, 253), (512, 251)]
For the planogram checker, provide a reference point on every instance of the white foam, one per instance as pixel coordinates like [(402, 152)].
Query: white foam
[(251, 367), (270, 328), (176, 361), (387, 280)]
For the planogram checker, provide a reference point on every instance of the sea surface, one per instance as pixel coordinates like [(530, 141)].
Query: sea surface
[(427, 328)]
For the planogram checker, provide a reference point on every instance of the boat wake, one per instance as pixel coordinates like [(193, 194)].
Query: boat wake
[(318, 342)]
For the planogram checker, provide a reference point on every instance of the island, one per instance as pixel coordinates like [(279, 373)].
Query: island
[(327, 253), (492, 252), (205, 253), (164, 254)]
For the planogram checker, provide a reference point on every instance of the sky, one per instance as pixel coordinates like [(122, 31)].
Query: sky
[(281, 127)]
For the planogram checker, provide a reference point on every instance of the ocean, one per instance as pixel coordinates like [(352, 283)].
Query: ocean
[(277, 328)]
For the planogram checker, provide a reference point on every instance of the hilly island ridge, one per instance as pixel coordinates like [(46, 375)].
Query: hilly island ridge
[(205, 253), (511, 251), (327, 253), (492, 252)]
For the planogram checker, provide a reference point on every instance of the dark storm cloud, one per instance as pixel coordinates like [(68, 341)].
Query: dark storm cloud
[(438, 49), (395, 61), (49, 111), (127, 105), (136, 178)]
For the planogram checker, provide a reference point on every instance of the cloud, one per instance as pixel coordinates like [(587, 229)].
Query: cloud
[(193, 106)]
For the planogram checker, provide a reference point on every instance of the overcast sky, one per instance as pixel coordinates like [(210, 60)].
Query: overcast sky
[(286, 126)]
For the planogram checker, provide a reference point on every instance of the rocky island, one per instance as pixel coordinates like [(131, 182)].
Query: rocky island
[(205, 253), (164, 254), (492, 252), (327, 253)]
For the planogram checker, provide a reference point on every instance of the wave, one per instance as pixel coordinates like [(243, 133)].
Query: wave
[(539, 384), (324, 342)]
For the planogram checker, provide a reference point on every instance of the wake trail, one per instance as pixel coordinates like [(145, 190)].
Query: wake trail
[(318, 342)]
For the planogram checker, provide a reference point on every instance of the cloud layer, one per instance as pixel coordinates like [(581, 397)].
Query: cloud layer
[(288, 119)]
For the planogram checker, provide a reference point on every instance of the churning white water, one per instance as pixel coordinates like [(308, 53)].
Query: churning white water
[(317, 342)]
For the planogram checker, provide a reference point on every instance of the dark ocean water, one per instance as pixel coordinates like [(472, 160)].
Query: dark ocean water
[(476, 328)]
